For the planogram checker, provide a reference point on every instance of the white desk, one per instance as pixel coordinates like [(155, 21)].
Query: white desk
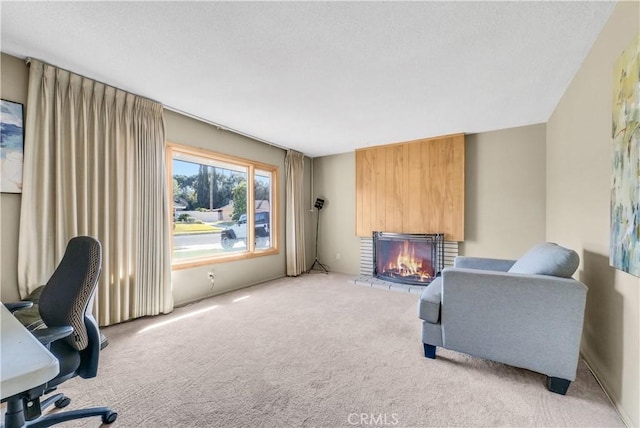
[(24, 362)]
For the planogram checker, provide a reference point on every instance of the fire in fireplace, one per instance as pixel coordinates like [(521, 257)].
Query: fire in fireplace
[(407, 258)]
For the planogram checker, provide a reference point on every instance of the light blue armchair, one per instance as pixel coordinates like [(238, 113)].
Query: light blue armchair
[(526, 313)]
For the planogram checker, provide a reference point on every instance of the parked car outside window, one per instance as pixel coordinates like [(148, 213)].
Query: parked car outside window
[(238, 232)]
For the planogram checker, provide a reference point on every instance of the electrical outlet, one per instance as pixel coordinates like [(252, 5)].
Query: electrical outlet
[(212, 277), (338, 256)]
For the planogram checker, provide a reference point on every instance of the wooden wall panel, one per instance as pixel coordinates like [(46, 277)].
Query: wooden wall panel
[(378, 206), (416, 170), (412, 187)]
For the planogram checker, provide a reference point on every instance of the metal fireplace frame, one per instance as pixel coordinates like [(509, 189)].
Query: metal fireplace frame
[(437, 253)]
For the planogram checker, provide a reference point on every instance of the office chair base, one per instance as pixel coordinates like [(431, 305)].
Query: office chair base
[(15, 415), (63, 402), (108, 417), (59, 400)]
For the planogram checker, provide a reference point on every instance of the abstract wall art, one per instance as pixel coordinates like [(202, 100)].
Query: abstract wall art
[(625, 180), (11, 146)]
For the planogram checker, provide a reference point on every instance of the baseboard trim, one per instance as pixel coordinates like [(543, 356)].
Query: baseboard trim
[(605, 387)]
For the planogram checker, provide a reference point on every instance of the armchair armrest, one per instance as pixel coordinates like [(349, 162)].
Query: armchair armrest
[(16, 306), (482, 263), (51, 334), (429, 302)]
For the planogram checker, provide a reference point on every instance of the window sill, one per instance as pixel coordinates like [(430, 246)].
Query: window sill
[(192, 263)]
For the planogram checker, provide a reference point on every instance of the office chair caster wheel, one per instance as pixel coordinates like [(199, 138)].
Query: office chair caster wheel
[(109, 418), (62, 402)]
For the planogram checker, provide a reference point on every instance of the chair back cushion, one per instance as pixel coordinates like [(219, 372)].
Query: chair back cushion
[(66, 296), (548, 259)]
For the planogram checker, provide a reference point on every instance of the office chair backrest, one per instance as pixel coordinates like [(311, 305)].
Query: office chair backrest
[(66, 296)]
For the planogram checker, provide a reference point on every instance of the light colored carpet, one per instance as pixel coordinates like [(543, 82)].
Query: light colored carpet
[(315, 351)]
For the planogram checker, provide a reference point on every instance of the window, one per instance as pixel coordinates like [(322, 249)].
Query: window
[(211, 195)]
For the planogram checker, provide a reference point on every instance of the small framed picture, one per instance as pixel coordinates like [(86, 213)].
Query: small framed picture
[(11, 146)]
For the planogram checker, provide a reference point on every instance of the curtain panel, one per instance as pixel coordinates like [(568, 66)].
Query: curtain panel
[(294, 175), (94, 164)]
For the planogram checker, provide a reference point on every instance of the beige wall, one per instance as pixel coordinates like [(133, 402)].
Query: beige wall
[(504, 206), (13, 87), (309, 218), (578, 191), (505, 192), (334, 180)]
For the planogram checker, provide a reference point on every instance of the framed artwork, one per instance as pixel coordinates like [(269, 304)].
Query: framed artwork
[(625, 180), (11, 146)]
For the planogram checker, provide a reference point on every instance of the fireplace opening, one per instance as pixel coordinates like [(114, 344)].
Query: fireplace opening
[(407, 258)]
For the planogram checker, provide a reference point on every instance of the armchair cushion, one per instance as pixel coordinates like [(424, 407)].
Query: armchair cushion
[(547, 259), (429, 303)]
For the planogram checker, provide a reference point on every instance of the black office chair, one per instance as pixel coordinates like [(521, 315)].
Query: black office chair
[(71, 335)]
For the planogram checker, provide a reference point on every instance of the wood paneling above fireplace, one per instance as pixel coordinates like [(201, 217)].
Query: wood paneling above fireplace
[(412, 187)]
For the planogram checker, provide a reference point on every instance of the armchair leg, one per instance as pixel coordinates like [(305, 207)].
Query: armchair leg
[(429, 351), (558, 385)]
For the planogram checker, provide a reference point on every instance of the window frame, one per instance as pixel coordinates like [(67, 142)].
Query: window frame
[(252, 166)]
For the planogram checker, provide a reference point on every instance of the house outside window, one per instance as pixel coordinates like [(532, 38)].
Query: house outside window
[(211, 196)]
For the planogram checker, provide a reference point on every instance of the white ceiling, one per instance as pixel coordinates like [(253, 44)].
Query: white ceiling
[(322, 77)]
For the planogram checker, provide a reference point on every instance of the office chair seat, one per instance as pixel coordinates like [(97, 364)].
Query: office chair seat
[(68, 359)]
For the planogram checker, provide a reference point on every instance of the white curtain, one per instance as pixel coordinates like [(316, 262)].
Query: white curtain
[(294, 169), (94, 164)]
